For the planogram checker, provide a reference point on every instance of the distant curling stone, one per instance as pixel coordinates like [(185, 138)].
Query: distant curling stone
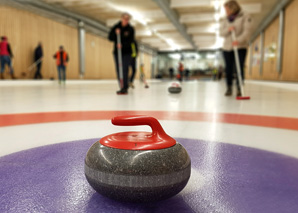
[(137, 166), (175, 88)]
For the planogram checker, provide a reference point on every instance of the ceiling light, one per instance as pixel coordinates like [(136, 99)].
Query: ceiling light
[(175, 56), (135, 15), (210, 56), (217, 4), (217, 17)]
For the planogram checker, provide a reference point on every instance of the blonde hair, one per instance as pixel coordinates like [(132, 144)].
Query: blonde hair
[(233, 6)]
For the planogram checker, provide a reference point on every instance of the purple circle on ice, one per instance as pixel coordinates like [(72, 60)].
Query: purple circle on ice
[(234, 179)]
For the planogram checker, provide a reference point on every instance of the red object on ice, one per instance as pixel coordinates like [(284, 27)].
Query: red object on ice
[(243, 98), (157, 139)]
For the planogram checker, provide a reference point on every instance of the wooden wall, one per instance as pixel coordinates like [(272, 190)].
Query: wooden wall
[(99, 58), (290, 51), (271, 36), (147, 60), (100, 62), (256, 59), (247, 67), (24, 30)]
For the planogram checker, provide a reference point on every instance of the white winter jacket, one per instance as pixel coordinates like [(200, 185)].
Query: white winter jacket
[(242, 24)]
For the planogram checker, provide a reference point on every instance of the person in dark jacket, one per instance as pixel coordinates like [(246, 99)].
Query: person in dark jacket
[(127, 34), (134, 55), (38, 54), (61, 60), (5, 57)]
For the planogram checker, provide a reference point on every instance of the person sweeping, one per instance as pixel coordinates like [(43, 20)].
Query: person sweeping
[(38, 54), (239, 23), (122, 50)]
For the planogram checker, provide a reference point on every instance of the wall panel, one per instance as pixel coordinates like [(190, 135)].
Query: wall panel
[(271, 35), (24, 30), (146, 59), (248, 64), (290, 51), (256, 58)]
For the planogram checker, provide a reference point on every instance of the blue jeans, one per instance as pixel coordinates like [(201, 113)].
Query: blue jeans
[(61, 72), (5, 60)]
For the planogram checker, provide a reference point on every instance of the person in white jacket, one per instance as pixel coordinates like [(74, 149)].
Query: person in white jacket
[(240, 23)]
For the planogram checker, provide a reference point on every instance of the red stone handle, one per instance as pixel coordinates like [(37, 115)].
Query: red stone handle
[(139, 120), (158, 139)]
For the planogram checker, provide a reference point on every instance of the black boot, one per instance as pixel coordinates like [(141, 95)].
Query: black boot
[(122, 92), (229, 91)]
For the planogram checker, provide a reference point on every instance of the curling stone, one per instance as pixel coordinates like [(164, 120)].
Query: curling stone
[(137, 166), (175, 88)]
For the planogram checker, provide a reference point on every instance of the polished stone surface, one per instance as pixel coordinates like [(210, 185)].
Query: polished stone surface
[(175, 90), (137, 175), (225, 178)]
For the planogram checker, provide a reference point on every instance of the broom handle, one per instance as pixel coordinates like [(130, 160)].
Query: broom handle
[(120, 67), (238, 64), (34, 64)]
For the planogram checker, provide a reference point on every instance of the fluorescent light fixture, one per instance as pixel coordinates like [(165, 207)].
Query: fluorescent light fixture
[(172, 44), (145, 32), (162, 27), (151, 40), (212, 28), (175, 56), (217, 4), (217, 17), (191, 55), (173, 35), (211, 56), (194, 18), (190, 3), (135, 14)]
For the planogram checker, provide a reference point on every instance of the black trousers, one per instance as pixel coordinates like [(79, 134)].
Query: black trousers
[(231, 65), (133, 69), (126, 61), (38, 73)]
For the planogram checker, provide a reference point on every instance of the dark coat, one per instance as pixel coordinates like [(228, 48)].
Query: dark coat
[(38, 53), (127, 37)]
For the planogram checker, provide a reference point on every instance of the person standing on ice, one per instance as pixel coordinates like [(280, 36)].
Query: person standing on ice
[(240, 23), (61, 61), (127, 35), (5, 57), (133, 65), (38, 54)]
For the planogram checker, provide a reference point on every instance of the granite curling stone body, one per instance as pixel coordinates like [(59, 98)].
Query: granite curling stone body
[(175, 88), (137, 166)]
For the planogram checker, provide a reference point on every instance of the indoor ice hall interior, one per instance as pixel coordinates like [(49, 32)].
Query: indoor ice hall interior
[(178, 138)]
